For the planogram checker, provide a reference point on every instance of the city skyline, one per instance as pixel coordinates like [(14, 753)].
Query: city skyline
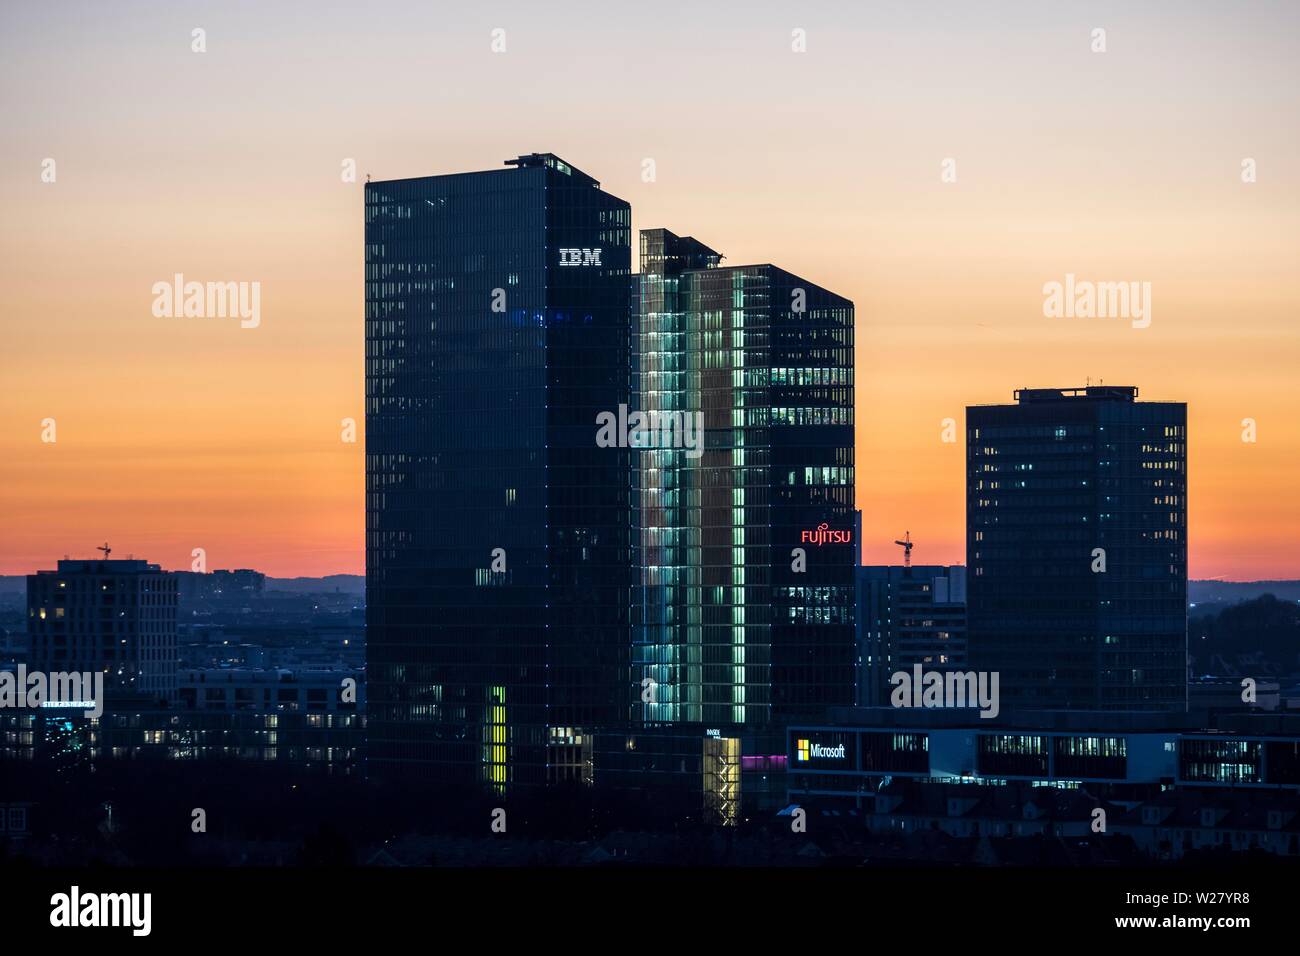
[(450, 450), (178, 434)]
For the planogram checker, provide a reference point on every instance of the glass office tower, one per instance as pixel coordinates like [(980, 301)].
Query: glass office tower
[(1076, 543), (733, 627), (498, 551)]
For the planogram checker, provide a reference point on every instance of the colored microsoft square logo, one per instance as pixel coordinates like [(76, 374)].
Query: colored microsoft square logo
[(801, 750)]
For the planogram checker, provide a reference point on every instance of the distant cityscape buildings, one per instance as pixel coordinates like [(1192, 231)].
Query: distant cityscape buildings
[(219, 585), (271, 690), (289, 690)]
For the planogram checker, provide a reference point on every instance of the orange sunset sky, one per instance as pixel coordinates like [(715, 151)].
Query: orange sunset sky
[(174, 434)]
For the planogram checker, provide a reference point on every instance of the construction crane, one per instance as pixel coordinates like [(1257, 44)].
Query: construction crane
[(106, 549), (906, 545)]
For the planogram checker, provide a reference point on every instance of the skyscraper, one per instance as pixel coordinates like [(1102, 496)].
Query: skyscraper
[(116, 616), (745, 601), (497, 530), (1076, 543)]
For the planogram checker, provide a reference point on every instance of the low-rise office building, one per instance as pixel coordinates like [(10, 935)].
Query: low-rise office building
[(1171, 784), (311, 743), (1065, 749), (271, 690)]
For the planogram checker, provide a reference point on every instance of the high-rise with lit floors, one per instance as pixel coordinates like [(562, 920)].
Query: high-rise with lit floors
[(1076, 544), (744, 612), (498, 532)]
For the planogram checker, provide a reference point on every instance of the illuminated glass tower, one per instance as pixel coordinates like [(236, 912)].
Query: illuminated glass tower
[(744, 610), (1076, 544), (498, 551)]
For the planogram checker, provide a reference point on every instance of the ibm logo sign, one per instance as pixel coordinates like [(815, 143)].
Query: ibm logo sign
[(579, 257)]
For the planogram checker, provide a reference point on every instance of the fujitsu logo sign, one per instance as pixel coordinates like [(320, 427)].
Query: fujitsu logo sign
[(823, 535), (579, 257)]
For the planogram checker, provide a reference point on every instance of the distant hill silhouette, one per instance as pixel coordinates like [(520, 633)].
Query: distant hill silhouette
[(1233, 592)]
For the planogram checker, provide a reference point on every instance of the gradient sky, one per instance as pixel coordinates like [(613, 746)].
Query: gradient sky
[(175, 434)]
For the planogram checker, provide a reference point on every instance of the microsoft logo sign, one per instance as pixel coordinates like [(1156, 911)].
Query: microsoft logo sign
[(805, 751)]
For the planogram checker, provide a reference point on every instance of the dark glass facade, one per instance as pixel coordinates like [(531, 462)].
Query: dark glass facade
[(894, 752), (727, 633), (1050, 480), (1221, 760), (498, 533), (1090, 757), (1012, 755), (908, 616)]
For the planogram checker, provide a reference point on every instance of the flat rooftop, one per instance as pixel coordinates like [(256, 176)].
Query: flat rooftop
[(104, 566), (1107, 393)]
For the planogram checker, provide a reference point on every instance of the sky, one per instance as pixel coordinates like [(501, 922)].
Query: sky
[(174, 434)]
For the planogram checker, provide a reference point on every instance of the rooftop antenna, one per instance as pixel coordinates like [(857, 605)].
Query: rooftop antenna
[(106, 549), (906, 545)]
